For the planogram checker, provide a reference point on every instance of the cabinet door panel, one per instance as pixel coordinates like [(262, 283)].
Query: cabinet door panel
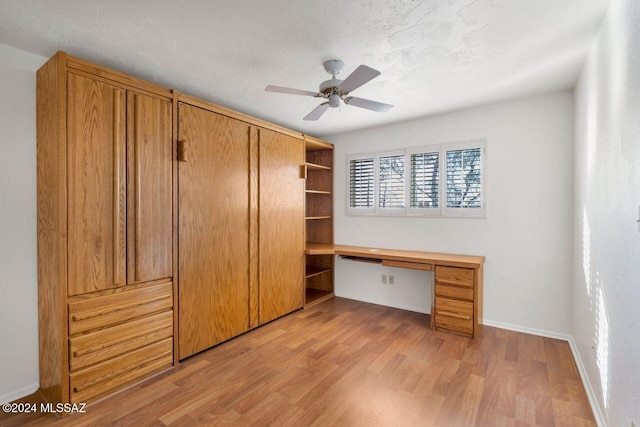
[(96, 185), (149, 149), (281, 225), (213, 229)]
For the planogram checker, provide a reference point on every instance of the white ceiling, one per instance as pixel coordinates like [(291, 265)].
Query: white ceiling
[(435, 55)]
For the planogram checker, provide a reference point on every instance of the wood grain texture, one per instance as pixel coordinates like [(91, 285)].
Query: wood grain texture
[(86, 314), (96, 185), (254, 234), (213, 229), (227, 112), (109, 75), (468, 261), (52, 228), (150, 196), (118, 371), (104, 344), (281, 225), (345, 363)]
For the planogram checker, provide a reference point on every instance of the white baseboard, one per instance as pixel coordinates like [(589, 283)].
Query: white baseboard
[(595, 406), (17, 394), (526, 330)]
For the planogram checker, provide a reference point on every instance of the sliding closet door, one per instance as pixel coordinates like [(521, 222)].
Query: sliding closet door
[(281, 224), (214, 229)]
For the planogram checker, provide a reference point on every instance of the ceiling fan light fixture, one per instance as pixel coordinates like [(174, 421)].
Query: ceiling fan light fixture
[(334, 100)]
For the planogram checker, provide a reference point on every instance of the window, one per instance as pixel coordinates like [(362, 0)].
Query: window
[(437, 180), (464, 186), (391, 182), (361, 184)]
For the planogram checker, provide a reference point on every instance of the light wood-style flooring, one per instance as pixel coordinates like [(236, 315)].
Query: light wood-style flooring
[(349, 363)]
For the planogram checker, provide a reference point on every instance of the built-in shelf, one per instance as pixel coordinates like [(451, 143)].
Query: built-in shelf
[(315, 296), (319, 274), (319, 248), (314, 166), (312, 270)]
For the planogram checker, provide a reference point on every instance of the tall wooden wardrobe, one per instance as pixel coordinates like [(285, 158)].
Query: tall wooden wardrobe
[(105, 229), (166, 225)]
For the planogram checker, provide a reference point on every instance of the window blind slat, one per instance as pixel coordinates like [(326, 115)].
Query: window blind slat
[(425, 180), (361, 183)]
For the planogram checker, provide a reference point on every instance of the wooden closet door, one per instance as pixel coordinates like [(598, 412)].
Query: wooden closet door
[(213, 229), (96, 185), (149, 152), (281, 224)]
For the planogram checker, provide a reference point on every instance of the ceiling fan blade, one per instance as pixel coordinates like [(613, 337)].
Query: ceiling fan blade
[(369, 105), (360, 76), (317, 112), (288, 90)]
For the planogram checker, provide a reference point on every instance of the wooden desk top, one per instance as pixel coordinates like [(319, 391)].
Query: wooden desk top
[(468, 261)]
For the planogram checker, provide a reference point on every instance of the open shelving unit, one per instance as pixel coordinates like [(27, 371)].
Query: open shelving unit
[(319, 274)]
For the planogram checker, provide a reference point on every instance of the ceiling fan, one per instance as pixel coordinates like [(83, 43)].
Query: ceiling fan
[(335, 90)]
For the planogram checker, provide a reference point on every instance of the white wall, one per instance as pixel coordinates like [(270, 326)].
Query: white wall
[(18, 262), (606, 291), (526, 236)]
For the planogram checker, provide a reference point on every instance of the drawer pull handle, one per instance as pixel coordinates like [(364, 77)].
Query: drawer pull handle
[(452, 314)]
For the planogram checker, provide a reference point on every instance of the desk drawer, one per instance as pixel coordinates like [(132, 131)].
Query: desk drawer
[(456, 292), (108, 375), (456, 316), (454, 276), (106, 310), (103, 344)]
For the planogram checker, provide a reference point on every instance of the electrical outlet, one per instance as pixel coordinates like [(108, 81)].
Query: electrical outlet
[(392, 279), (384, 279)]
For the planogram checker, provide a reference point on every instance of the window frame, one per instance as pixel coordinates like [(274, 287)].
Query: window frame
[(442, 211), (411, 211), (381, 211), (362, 211), (480, 212)]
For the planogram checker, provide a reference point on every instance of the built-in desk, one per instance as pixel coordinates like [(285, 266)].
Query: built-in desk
[(457, 295)]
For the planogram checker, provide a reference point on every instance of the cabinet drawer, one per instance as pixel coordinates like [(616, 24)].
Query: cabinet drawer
[(454, 315), (108, 375), (103, 344), (457, 292), (454, 276), (105, 310)]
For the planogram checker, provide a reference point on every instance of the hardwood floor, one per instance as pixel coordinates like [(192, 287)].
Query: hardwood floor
[(348, 363)]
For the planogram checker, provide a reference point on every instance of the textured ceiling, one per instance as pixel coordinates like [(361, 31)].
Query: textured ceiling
[(435, 55)]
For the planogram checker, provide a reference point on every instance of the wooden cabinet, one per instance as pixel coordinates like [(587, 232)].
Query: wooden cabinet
[(149, 188), (319, 274), (241, 226), (281, 225), (457, 302), (96, 149), (105, 233), (214, 229)]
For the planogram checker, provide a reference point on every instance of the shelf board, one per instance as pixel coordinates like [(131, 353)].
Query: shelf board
[(313, 166), (317, 192), (312, 248), (318, 217), (316, 144), (315, 296), (312, 270)]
